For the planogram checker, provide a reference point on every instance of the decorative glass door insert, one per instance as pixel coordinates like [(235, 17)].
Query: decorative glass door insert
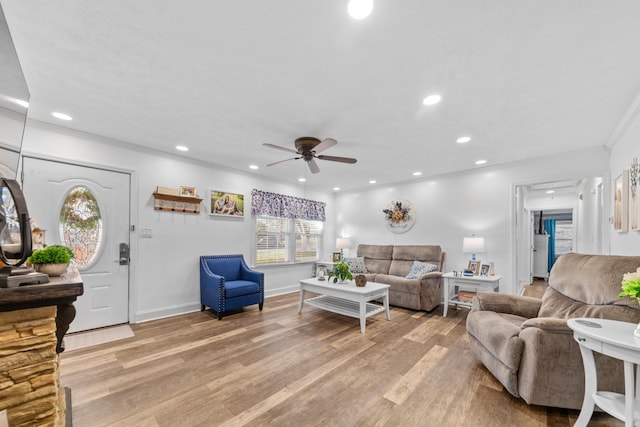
[(81, 225)]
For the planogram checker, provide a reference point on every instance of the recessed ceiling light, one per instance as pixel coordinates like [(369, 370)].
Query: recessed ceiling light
[(550, 191), (254, 167), (301, 179), (62, 116), (336, 188), (417, 173), (373, 181), (463, 139), (432, 100), (481, 162), (182, 148), (20, 102), (360, 9)]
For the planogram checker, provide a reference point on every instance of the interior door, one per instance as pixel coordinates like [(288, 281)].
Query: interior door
[(88, 207)]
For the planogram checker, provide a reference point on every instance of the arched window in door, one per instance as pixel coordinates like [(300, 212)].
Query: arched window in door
[(81, 225)]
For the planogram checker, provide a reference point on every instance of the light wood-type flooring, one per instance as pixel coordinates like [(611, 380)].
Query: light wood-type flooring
[(279, 368)]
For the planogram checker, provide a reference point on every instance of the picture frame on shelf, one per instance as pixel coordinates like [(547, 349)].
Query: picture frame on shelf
[(335, 257), (474, 266), (188, 191), (484, 270), (621, 202), (492, 269), (225, 203)]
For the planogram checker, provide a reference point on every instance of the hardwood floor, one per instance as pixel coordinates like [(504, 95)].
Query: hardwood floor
[(279, 368)]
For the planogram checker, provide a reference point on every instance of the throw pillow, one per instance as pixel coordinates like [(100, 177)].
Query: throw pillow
[(419, 268), (357, 265)]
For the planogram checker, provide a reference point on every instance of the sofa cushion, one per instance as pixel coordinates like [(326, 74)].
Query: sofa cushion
[(418, 268), (356, 265), (377, 258), (404, 255), (400, 284), (555, 304), (236, 288), (592, 279)]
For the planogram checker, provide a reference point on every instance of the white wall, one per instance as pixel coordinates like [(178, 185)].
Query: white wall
[(626, 148), (447, 208), (164, 269)]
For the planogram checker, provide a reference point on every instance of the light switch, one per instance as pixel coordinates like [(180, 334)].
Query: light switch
[(145, 233)]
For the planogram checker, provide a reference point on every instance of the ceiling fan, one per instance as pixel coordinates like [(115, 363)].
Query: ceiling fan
[(307, 148)]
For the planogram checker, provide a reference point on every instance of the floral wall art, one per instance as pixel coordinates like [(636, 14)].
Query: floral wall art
[(399, 216)]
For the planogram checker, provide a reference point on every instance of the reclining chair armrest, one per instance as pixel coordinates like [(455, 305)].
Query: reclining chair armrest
[(527, 307), (551, 324)]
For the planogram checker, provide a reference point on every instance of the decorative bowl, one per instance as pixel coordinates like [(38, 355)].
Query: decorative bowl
[(51, 269)]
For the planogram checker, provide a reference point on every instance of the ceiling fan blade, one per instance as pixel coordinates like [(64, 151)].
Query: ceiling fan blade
[(313, 166), (280, 148), (285, 160), (326, 143), (338, 159)]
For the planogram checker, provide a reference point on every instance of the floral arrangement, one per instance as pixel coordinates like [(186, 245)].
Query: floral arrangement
[(631, 285), (397, 213)]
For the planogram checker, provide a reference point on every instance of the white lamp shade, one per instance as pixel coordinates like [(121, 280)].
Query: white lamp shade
[(342, 243), (473, 245)]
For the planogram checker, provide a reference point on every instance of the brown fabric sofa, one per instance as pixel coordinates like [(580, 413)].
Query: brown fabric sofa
[(526, 343), (390, 264)]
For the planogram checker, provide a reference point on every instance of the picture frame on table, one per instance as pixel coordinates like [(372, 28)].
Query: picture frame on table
[(335, 257), (474, 266), (225, 203), (188, 191), (484, 270)]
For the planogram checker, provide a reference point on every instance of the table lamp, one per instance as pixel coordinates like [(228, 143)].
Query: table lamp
[(473, 245), (342, 243)]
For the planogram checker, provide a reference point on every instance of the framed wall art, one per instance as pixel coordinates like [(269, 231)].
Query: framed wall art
[(634, 195), (621, 202), (224, 203)]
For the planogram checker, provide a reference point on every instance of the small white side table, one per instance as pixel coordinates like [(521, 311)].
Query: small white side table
[(469, 283), (615, 339)]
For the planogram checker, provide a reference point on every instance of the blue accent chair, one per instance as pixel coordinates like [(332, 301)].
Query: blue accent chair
[(226, 283)]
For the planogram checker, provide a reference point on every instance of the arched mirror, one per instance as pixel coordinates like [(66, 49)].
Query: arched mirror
[(15, 230)]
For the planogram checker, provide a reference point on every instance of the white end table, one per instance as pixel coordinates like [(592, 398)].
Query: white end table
[(469, 283), (614, 339)]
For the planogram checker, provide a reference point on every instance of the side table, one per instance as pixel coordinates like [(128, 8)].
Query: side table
[(469, 283), (614, 339)]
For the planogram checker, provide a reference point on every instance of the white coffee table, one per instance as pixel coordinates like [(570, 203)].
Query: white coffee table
[(346, 299)]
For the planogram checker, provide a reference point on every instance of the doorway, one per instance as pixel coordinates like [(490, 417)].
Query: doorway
[(86, 209)]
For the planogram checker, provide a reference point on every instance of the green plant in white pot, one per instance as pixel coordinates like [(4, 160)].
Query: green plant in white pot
[(341, 272), (52, 260)]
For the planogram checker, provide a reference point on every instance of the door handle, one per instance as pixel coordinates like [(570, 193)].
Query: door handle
[(124, 254)]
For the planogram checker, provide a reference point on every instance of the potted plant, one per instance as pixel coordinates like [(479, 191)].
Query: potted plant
[(631, 288), (341, 272), (52, 260)]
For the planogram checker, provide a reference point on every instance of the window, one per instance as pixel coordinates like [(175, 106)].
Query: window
[(287, 240)]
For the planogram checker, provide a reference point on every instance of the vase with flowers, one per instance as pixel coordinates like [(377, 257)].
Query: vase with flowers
[(631, 288), (341, 272)]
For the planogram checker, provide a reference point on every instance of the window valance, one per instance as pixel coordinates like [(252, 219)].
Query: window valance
[(282, 206)]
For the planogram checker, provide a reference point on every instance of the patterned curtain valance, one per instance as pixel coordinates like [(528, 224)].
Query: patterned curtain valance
[(279, 205)]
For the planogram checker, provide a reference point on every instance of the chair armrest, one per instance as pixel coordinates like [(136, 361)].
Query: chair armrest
[(527, 307), (551, 324), (251, 275)]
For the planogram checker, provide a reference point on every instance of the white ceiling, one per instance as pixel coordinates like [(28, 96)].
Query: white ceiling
[(522, 78)]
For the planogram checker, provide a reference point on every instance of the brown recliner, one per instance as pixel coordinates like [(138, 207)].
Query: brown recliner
[(526, 343)]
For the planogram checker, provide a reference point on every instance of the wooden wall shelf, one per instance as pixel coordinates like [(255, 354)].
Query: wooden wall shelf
[(168, 202)]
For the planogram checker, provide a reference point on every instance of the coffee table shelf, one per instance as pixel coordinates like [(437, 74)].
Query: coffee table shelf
[(343, 306), (346, 299)]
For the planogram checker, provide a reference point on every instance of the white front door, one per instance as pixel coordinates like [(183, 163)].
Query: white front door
[(92, 193)]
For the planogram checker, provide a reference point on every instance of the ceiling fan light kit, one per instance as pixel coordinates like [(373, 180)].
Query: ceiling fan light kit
[(308, 148)]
